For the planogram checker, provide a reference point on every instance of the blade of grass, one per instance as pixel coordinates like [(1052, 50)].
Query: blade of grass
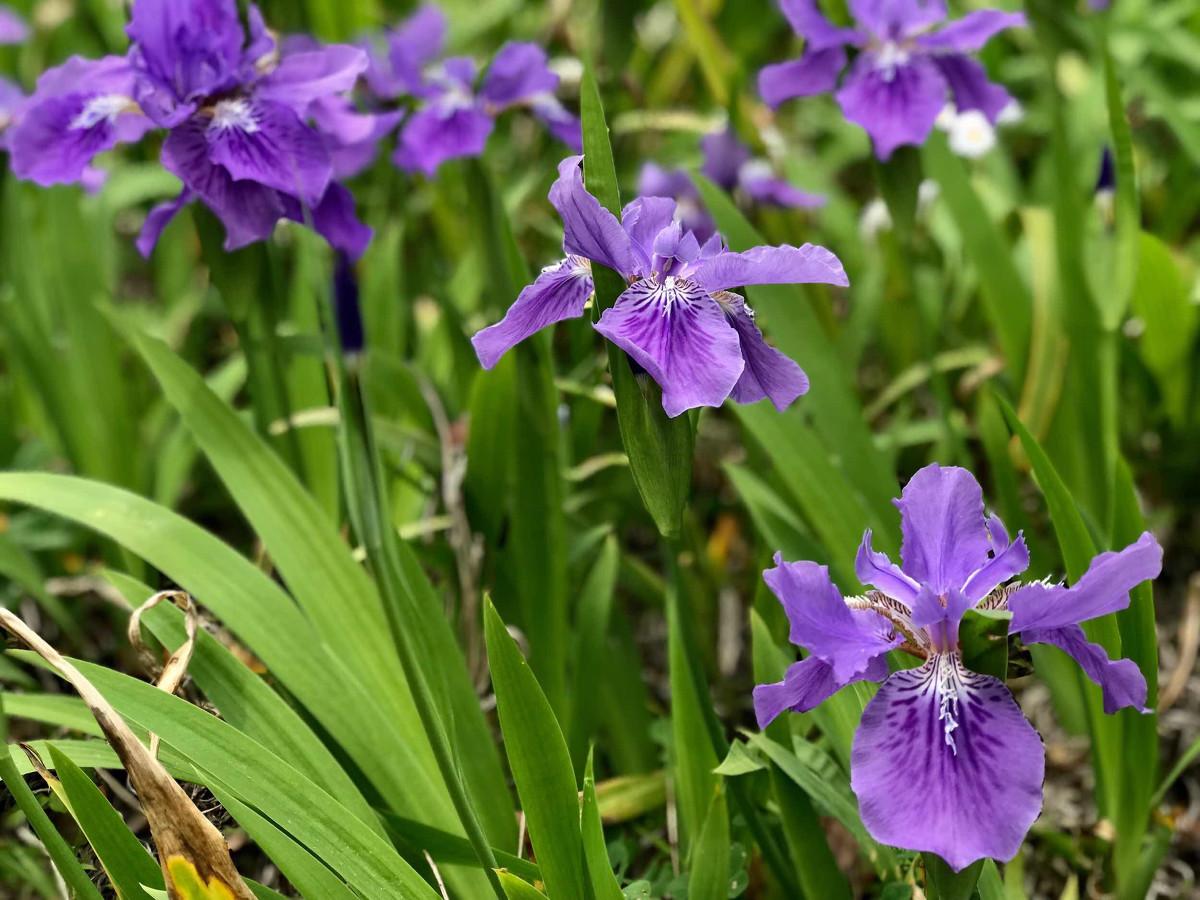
[(57, 848), (1006, 297), (305, 872), (125, 860), (540, 762), (709, 878), (415, 838), (591, 642), (595, 853)]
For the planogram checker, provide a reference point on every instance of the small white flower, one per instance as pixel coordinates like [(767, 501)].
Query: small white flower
[(569, 69), (874, 219), (946, 118), (972, 135), (927, 192)]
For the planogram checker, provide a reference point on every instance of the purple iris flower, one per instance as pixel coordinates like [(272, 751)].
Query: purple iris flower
[(679, 319), (729, 164), (13, 29), (398, 69), (908, 65), (456, 119), (943, 760), (236, 114)]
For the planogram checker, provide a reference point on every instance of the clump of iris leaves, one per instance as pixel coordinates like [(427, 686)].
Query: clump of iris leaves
[(377, 542)]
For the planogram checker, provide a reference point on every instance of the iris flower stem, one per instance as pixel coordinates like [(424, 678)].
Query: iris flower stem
[(773, 853), (244, 280), (371, 518)]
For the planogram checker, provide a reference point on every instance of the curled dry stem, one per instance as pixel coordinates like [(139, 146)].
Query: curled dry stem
[(168, 676)]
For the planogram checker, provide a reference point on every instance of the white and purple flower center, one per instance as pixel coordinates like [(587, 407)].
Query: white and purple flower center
[(101, 108), (891, 55), (235, 113)]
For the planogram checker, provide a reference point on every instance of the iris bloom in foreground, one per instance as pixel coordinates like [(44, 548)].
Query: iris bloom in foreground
[(678, 319), (235, 112), (943, 760), (729, 164), (910, 62)]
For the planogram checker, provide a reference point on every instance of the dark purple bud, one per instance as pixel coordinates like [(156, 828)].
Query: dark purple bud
[(1106, 180), (346, 306)]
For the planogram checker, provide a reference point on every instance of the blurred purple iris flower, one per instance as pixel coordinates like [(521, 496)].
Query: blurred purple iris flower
[(678, 319), (943, 760), (729, 164), (13, 29), (910, 62), (235, 110), (455, 115)]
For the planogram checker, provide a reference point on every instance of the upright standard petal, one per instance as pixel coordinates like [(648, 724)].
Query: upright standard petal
[(519, 72), (1103, 589), (816, 72), (944, 762), (768, 374), (1008, 561), (302, 78), (805, 685), (411, 47), (247, 209), (643, 219), (678, 334), (590, 230), (945, 533), (972, 31), (560, 292), (441, 132), (971, 87), (185, 50), (808, 264), (895, 19), (876, 570), (724, 156), (809, 22), (895, 104), (266, 142), (821, 622)]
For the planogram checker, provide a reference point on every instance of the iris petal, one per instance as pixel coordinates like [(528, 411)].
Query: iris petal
[(560, 292), (944, 762), (822, 623), (678, 334)]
